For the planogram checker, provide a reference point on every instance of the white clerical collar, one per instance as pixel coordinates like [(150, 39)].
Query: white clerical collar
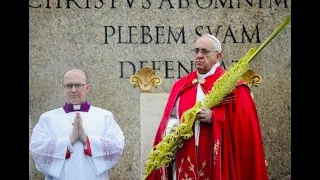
[(76, 107), (213, 69)]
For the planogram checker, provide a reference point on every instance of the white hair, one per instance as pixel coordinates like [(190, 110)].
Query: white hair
[(216, 43)]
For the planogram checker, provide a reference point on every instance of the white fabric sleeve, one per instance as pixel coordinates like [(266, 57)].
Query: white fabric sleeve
[(48, 152), (70, 147), (108, 149), (172, 122)]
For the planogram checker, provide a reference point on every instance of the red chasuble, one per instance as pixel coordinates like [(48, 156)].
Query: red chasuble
[(230, 148)]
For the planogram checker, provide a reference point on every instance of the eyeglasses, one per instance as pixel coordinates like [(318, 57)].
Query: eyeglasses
[(70, 86), (203, 51)]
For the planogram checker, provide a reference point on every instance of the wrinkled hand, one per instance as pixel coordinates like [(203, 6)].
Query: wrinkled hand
[(205, 115), (82, 134), (75, 131)]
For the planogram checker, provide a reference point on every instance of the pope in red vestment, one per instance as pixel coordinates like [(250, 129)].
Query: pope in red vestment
[(226, 142)]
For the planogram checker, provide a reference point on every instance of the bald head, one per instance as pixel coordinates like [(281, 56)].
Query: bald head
[(76, 72)]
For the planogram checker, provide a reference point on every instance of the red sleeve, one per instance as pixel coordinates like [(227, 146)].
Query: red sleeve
[(87, 149), (68, 154), (242, 139)]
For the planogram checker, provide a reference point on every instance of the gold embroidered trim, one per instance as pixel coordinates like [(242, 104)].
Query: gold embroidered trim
[(215, 151), (200, 81)]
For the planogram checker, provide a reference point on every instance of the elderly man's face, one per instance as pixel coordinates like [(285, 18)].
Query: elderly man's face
[(75, 87), (205, 55)]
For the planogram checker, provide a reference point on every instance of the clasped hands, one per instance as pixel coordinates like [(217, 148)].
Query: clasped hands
[(78, 130), (205, 115)]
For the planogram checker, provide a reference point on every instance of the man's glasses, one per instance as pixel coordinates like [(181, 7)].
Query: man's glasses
[(70, 86), (203, 51)]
